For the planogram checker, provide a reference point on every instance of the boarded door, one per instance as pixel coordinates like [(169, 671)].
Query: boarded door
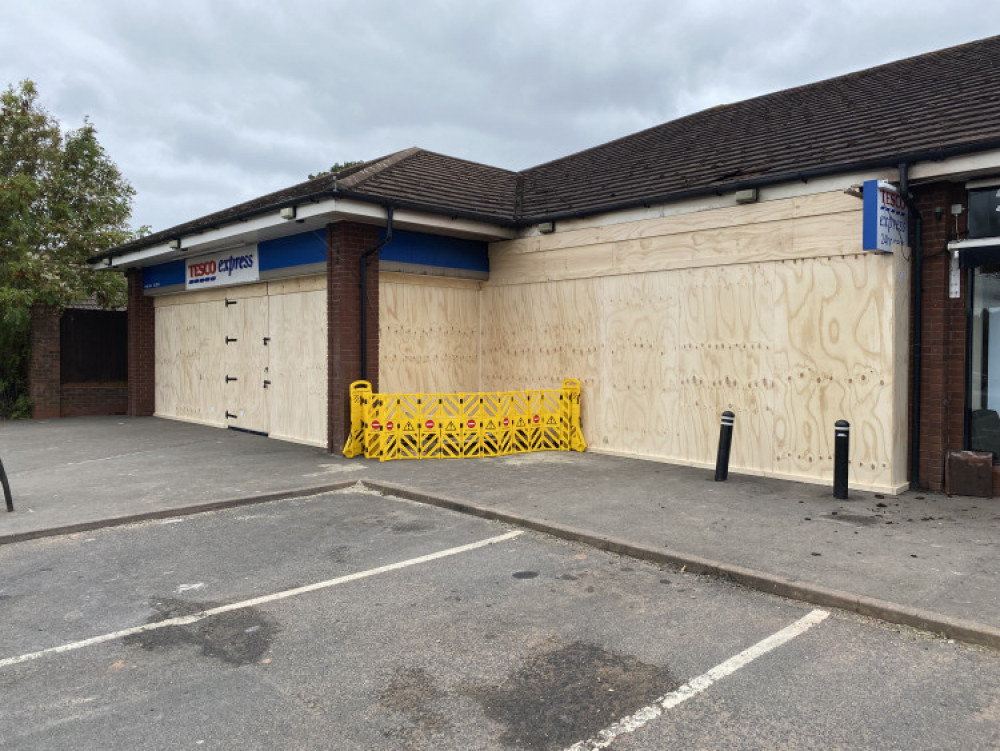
[(246, 363)]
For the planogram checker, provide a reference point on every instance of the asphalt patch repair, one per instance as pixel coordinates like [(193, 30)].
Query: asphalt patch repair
[(558, 698), (239, 637)]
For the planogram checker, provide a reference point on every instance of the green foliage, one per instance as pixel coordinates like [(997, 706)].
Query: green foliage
[(14, 401), (61, 200), (335, 168)]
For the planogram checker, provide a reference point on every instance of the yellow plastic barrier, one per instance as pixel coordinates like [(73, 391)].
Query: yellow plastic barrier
[(436, 426)]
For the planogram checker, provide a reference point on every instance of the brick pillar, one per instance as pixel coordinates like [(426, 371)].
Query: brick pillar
[(346, 243), (942, 376), (44, 381), (141, 348)]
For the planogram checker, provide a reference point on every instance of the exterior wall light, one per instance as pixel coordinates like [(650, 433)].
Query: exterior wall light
[(288, 212), (547, 228), (746, 196)]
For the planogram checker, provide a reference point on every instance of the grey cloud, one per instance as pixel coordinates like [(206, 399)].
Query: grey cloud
[(204, 105)]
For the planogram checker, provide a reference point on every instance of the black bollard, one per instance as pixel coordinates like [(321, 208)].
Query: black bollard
[(725, 443), (6, 488), (841, 448)]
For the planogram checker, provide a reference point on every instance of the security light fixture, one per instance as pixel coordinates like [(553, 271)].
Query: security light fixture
[(175, 243), (288, 212), (746, 196), (547, 228)]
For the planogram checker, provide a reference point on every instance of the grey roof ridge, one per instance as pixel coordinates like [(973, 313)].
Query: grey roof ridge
[(352, 177)]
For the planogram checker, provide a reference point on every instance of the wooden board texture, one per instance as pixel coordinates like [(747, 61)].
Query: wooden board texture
[(193, 360), (428, 334), (781, 318)]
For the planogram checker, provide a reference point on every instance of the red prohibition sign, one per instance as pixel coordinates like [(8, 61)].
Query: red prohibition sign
[(389, 425), (429, 425), (535, 419), (376, 425), (506, 422), (471, 424)]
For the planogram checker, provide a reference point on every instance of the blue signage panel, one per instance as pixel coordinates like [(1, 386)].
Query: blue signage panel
[(436, 250), (163, 275), (885, 223)]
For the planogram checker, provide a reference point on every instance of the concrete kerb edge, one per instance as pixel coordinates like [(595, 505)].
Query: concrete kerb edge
[(970, 632), (197, 508)]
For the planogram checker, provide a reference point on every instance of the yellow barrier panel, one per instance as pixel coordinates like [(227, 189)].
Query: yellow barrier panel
[(453, 426)]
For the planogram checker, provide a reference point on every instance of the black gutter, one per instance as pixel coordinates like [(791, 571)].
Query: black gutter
[(933, 155), (527, 221), (364, 289), (916, 248), (196, 229)]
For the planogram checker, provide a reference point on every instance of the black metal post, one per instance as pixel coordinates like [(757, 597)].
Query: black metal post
[(841, 449), (6, 488), (725, 443)]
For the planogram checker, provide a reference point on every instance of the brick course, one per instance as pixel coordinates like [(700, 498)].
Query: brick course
[(43, 368), (141, 348), (942, 376), (83, 399), (346, 243)]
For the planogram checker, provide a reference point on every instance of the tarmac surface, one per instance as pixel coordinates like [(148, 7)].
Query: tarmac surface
[(920, 559)]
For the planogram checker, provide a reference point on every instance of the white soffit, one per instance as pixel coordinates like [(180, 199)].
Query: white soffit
[(310, 216)]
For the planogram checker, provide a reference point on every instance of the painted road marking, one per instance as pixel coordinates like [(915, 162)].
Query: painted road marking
[(696, 685), (201, 615)]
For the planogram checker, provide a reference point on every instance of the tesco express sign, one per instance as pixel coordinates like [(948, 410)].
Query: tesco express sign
[(222, 269)]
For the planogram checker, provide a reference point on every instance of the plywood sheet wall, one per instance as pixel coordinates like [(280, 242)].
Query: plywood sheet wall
[(191, 356), (785, 321), (190, 347), (429, 334), (298, 363)]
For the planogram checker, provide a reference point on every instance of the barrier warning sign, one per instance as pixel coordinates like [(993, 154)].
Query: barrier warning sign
[(458, 425)]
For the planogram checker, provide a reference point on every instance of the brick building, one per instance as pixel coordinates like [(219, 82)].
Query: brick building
[(719, 261)]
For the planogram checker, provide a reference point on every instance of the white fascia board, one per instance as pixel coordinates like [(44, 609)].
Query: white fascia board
[(251, 230), (791, 189), (979, 242), (967, 166)]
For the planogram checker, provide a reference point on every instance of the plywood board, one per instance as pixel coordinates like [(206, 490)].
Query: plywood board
[(188, 361), (766, 212), (797, 238), (429, 335), (246, 362), (297, 369), (784, 321)]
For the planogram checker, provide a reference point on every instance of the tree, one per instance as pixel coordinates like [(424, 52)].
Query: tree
[(335, 168), (61, 200)]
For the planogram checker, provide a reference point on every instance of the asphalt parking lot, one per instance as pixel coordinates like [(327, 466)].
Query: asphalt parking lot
[(354, 620)]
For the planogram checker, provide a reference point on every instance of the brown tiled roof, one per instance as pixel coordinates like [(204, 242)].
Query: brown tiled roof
[(939, 102), (412, 178), (925, 107)]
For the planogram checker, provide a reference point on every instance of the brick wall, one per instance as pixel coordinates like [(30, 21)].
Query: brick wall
[(942, 376), (43, 369), (82, 399), (141, 348), (346, 243)]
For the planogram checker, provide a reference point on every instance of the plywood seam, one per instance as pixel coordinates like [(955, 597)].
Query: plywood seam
[(695, 267), (782, 210)]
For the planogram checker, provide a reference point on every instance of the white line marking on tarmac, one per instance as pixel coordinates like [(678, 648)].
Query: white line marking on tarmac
[(195, 617), (696, 685)]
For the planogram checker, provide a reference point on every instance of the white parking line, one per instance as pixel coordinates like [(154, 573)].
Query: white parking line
[(195, 617), (695, 686)]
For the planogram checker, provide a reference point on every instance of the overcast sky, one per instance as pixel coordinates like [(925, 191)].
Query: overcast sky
[(207, 103)]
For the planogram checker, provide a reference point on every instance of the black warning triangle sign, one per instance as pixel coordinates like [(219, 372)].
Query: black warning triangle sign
[(451, 427), (490, 425), (551, 420), (409, 426)]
